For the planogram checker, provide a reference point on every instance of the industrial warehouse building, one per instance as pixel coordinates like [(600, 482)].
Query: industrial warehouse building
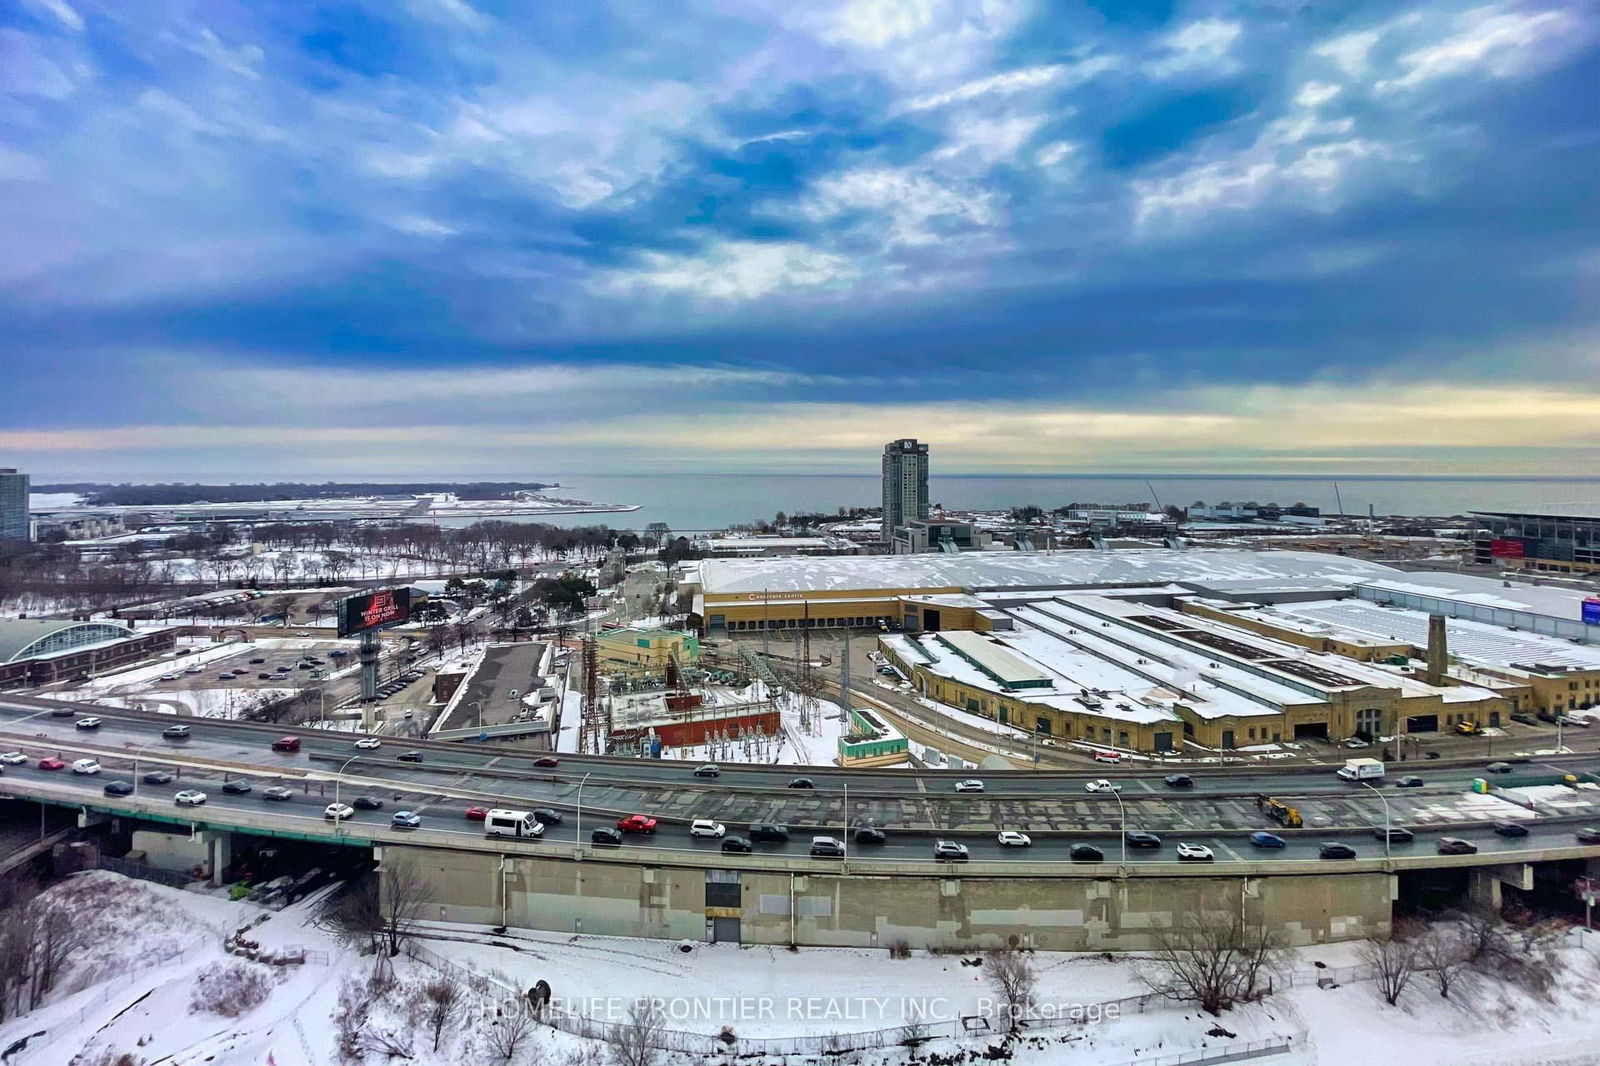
[(37, 651), (1548, 541)]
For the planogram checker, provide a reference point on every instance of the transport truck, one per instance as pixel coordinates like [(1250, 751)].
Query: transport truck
[(1361, 770)]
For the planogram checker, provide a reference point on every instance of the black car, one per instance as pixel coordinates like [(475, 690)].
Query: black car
[(736, 844), (1510, 829), (236, 788), (63, 712), (1138, 838), (1085, 853), (802, 782), (176, 732), (869, 834), (158, 777), (708, 770), (263, 677), (1589, 834), (1498, 768), (367, 803), (410, 756), (1396, 834), (1335, 850), (119, 788), (278, 794), (1547, 716), (1409, 781), (1179, 781), (545, 816), (605, 836), (1456, 846), (765, 833), (257, 662), (1524, 719)]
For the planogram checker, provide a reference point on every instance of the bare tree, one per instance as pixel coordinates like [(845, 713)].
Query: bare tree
[(1393, 962), (1213, 960), (510, 1028), (441, 998), (1012, 978), (403, 896), (636, 1042), (1442, 952)]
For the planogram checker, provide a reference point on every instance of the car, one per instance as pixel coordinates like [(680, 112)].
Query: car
[(768, 833), (1456, 846), (236, 787), (1547, 716), (85, 766), (369, 743), (263, 677), (1085, 853), (158, 777), (1409, 781), (286, 744), (257, 662), (167, 677), (971, 784), (705, 827), (277, 794), (118, 788), (1395, 833), (737, 845), (338, 653), (949, 851), (605, 836), (1194, 853), (338, 811), (1510, 829), (1499, 768), (302, 666), (1589, 834), (1334, 850), (477, 814), (1138, 838), (827, 848), (1266, 840), (707, 770), (1101, 785), (50, 762), (410, 756), (1108, 756), (545, 816), (175, 732), (90, 722), (1010, 838), (13, 758), (1357, 742), (1178, 781), (870, 834), (367, 803), (802, 782), (1524, 718), (225, 677), (405, 820), (194, 670), (63, 712), (189, 797), (549, 762), (637, 823)]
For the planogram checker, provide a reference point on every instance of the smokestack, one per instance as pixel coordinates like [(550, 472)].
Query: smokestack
[(1438, 651)]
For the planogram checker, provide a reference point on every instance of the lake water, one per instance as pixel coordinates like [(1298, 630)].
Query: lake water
[(715, 501)]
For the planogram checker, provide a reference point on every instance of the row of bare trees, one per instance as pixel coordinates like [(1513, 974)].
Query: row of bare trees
[(38, 935)]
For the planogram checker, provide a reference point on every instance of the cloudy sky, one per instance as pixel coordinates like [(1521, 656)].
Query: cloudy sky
[(508, 238)]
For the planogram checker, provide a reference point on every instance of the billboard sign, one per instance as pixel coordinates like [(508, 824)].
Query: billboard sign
[(1591, 611), (1507, 549), (374, 610)]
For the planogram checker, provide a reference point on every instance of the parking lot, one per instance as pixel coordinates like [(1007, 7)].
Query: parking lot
[(255, 666)]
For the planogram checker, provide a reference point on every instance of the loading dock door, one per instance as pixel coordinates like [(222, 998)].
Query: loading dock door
[(930, 620), (1310, 730), (1422, 723), (725, 930)]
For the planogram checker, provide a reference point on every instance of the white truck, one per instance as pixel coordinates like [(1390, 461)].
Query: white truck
[(1360, 770)]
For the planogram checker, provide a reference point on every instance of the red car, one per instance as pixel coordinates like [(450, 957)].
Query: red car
[(637, 823), (53, 763), (547, 760), (476, 814)]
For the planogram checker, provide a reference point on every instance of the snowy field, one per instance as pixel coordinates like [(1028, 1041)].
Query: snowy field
[(148, 977)]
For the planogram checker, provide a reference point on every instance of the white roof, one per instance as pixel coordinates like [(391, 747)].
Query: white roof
[(978, 570), (1563, 603)]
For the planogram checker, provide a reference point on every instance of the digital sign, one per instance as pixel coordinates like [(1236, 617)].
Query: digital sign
[(1507, 549), (1591, 611), (374, 610)]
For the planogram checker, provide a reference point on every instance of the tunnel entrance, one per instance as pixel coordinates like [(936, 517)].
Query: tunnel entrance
[(1424, 893), (1311, 731)]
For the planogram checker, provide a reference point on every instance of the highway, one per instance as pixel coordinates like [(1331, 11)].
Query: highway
[(914, 807)]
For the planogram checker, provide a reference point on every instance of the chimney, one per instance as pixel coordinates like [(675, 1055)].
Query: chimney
[(1438, 651)]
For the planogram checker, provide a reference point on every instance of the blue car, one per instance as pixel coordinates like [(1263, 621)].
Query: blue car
[(1266, 840), (406, 820)]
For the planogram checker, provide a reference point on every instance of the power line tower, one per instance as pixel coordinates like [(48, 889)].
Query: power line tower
[(594, 730)]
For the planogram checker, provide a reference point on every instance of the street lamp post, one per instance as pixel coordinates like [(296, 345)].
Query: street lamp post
[(138, 752), (338, 777), (577, 842), (844, 822), (1386, 822), (1122, 814)]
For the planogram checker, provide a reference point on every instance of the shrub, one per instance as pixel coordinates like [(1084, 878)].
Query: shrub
[(230, 989)]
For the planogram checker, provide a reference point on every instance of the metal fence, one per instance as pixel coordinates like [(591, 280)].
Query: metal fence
[(1256, 1049), (66, 1025), (144, 873)]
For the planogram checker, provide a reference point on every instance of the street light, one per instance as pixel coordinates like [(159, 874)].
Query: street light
[(338, 776), (1386, 821), (845, 822), (1122, 813), (578, 842), (138, 752)]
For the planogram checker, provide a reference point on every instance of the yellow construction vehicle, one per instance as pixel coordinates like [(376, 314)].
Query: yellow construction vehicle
[(1283, 814), (1469, 729)]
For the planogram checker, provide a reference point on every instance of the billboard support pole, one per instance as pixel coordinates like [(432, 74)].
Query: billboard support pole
[(369, 677)]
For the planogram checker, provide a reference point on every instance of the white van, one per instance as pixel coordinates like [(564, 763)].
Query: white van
[(501, 823)]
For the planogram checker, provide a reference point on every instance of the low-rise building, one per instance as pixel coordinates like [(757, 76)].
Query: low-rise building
[(646, 649)]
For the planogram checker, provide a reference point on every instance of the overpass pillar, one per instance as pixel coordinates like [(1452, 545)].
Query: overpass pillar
[(1483, 887), (219, 852), (89, 819)]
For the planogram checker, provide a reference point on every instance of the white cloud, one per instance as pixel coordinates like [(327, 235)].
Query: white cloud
[(60, 10), (1004, 84), (905, 206), (1350, 52), (1500, 43), (1315, 94), (734, 270), (1203, 46), (1056, 152), (423, 226)]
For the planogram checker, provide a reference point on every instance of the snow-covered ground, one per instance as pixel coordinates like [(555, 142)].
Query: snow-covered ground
[(138, 983)]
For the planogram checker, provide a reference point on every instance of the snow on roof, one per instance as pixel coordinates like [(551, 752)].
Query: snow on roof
[(979, 570), (1563, 603)]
